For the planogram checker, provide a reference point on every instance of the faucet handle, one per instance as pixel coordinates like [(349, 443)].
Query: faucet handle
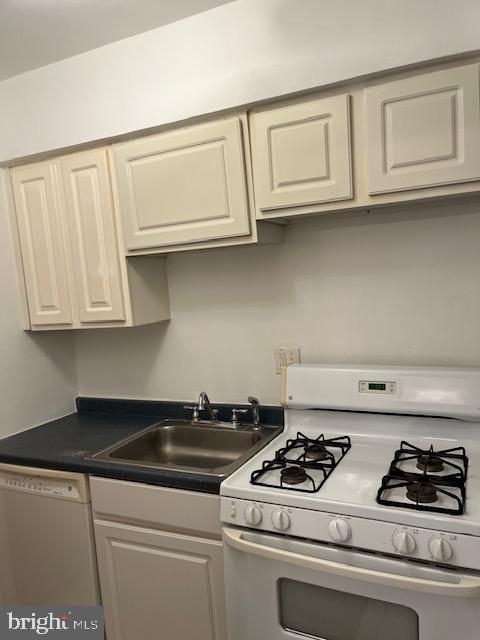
[(235, 419), (194, 409)]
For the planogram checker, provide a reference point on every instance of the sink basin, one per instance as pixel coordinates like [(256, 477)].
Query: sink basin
[(201, 448)]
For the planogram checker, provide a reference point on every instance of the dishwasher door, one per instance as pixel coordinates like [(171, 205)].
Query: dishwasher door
[(46, 538)]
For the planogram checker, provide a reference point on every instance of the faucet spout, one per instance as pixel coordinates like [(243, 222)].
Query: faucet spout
[(204, 404), (255, 411)]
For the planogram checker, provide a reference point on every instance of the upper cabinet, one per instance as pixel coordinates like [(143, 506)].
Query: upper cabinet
[(424, 130), (87, 221), (301, 155), (411, 138), (93, 237), (184, 187), (74, 272), (41, 234)]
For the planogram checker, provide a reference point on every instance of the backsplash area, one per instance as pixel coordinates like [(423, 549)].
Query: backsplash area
[(393, 286)]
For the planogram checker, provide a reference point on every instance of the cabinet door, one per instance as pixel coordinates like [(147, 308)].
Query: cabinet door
[(301, 154), (160, 585), (424, 131), (183, 186), (42, 244), (93, 236)]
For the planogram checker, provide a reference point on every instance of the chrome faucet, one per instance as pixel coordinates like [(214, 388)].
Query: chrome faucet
[(255, 411), (204, 403)]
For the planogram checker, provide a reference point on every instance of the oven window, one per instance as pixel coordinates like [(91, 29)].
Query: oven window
[(334, 615)]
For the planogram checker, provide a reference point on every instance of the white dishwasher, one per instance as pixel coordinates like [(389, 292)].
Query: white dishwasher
[(47, 550)]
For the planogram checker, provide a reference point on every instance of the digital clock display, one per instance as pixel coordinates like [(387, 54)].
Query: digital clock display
[(375, 386)]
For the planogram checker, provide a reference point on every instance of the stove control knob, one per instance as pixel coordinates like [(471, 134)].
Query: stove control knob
[(280, 520), (404, 542), (440, 549), (339, 530), (253, 515)]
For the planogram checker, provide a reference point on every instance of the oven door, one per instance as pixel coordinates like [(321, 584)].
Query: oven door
[(279, 588)]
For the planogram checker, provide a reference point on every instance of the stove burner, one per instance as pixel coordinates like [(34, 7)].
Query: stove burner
[(425, 487), (421, 492), (430, 463), (316, 452), (302, 464), (293, 475)]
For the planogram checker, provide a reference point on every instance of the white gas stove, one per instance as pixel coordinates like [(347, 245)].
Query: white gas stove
[(372, 459)]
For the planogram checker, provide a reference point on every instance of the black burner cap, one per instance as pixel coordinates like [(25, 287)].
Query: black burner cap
[(421, 492), (316, 452), (293, 475), (430, 463)]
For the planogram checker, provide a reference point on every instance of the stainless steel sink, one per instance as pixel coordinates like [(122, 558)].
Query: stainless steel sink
[(202, 447)]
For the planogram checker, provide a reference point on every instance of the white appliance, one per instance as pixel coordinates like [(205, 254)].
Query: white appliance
[(361, 521), (46, 538)]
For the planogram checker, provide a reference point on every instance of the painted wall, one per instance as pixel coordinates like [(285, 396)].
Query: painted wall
[(232, 55), (37, 372), (398, 287)]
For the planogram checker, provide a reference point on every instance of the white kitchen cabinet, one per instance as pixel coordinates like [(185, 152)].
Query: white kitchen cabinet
[(94, 250), (160, 561), (41, 233), (159, 585), (184, 186), (301, 154), (424, 130), (74, 272)]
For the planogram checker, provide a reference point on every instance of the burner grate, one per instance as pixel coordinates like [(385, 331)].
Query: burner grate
[(454, 460), (316, 457), (423, 488), (274, 465)]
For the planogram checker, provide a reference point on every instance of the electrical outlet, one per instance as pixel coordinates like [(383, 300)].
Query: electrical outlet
[(285, 356)]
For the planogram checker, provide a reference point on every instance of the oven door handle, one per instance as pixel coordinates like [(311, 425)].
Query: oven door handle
[(467, 587)]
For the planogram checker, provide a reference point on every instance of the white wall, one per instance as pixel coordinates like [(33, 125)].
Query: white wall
[(242, 52), (37, 372), (392, 287)]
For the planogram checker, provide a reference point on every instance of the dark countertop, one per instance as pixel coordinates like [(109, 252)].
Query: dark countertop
[(67, 443)]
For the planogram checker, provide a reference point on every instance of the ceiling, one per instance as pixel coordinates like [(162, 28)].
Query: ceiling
[(34, 33)]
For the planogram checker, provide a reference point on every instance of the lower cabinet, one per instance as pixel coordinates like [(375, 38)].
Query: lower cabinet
[(160, 566), (159, 585)]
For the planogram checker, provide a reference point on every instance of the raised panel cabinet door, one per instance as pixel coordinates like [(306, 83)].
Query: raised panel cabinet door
[(302, 154), (93, 236), (424, 131), (160, 585), (183, 186), (42, 244)]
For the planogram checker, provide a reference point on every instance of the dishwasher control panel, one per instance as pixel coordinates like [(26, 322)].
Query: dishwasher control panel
[(56, 487)]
